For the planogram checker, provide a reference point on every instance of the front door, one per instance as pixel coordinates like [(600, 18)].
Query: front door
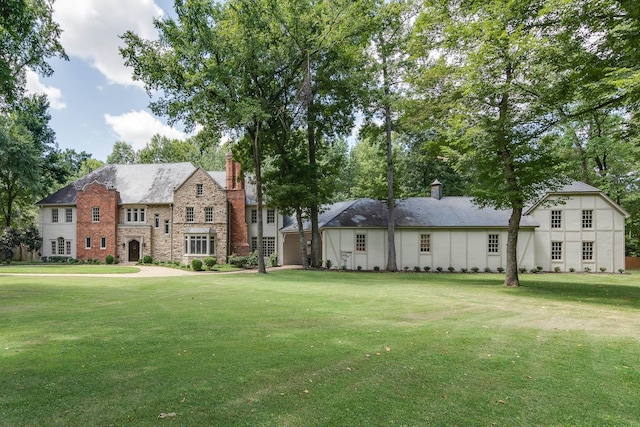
[(134, 251)]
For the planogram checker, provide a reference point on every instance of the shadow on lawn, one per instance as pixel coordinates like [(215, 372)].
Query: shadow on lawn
[(585, 292)]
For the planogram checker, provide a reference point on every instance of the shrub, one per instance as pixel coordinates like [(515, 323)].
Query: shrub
[(539, 268), (210, 262), (463, 270), (416, 269), (109, 259), (603, 269), (475, 269), (147, 259), (487, 270), (249, 261), (359, 268), (405, 268), (534, 270), (500, 269), (376, 268), (328, 263), (556, 269), (439, 269), (273, 259), (427, 268), (621, 270), (587, 269), (522, 270), (451, 269), (196, 265), (572, 269)]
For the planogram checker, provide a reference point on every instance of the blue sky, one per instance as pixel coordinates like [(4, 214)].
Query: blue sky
[(94, 101)]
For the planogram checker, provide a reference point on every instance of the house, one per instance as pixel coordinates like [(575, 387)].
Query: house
[(172, 211), (576, 227)]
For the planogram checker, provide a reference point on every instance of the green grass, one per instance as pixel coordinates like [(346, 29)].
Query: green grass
[(300, 348), (67, 269)]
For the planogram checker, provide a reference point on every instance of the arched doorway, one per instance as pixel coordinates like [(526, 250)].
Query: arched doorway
[(134, 251)]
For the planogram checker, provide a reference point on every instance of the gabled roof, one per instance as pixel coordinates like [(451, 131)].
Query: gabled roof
[(416, 212), (137, 183), (576, 188)]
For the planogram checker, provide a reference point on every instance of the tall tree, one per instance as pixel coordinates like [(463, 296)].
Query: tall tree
[(122, 154), (28, 37), (165, 150), (500, 59)]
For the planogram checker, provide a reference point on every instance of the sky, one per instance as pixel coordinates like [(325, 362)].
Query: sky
[(94, 102)]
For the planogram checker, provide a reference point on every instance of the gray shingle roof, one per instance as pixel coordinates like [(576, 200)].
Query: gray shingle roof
[(137, 184), (415, 212)]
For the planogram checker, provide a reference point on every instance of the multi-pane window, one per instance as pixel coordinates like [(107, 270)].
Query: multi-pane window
[(54, 215), (68, 247), (190, 215), (87, 242), (556, 219), (271, 216), (254, 216), (587, 251), (166, 226), (199, 244), (54, 245), (587, 218), (61, 246), (556, 251), (269, 245), (68, 215), (136, 215), (425, 243), (361, 242), (254, 243), (103, 243), (208, 214), (493, 246), (95, 214), (199, 190), (156, 220)]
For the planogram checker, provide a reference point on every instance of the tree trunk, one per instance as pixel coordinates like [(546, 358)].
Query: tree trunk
[(512, 248), (311, 137), (302, 239), (391, 202), (257, 161)]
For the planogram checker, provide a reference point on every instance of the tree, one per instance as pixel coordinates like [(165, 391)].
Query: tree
[(122, 154), (11, 238), (497, 60), (164, 150), (31, 239), (28, 36)]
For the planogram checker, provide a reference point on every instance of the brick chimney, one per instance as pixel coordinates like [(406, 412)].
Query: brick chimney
[(238, 230), (436, 190)]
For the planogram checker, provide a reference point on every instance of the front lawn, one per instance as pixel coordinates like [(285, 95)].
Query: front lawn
[(296, 348), (66, 269)]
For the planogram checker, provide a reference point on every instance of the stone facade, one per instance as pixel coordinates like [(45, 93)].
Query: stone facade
[(97, 200)]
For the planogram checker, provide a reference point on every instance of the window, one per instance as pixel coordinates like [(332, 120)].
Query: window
[(68, 215), (95, 214), (87, 242), (271, 216), (361, 242), (556, 251), (269, 245), (156, 220), (61, 246), (254, 243), (190, 215), (54, 215), (53, 247), (199, 190), (425, 243), (103, 243), (136, 215), (166, 226), (587, 219), (493, 246), (556, 219), (587, 251), (208, 214), (199, 244), (254, 216), (68, 247)]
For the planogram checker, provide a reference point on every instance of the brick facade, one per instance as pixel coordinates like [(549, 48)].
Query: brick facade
[(105, 200), (236, 196)]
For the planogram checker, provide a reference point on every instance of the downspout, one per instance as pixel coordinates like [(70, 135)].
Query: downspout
[(171, 231)]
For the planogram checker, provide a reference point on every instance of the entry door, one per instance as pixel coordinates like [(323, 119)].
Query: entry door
[(134, 251)]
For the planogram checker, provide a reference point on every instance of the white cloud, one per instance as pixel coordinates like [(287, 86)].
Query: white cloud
[(54, 95), (137, 128), (91, 30)]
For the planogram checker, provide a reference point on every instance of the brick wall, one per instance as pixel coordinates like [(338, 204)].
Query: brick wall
[(236, 196), (106, 200)]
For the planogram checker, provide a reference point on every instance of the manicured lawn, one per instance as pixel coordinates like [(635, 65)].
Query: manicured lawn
[(298, 348), (67, 269)]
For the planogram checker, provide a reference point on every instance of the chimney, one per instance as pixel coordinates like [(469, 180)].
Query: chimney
[(233, 174), (436, 190)]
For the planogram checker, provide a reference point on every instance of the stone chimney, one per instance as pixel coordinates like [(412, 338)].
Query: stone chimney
[(436, 190)]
